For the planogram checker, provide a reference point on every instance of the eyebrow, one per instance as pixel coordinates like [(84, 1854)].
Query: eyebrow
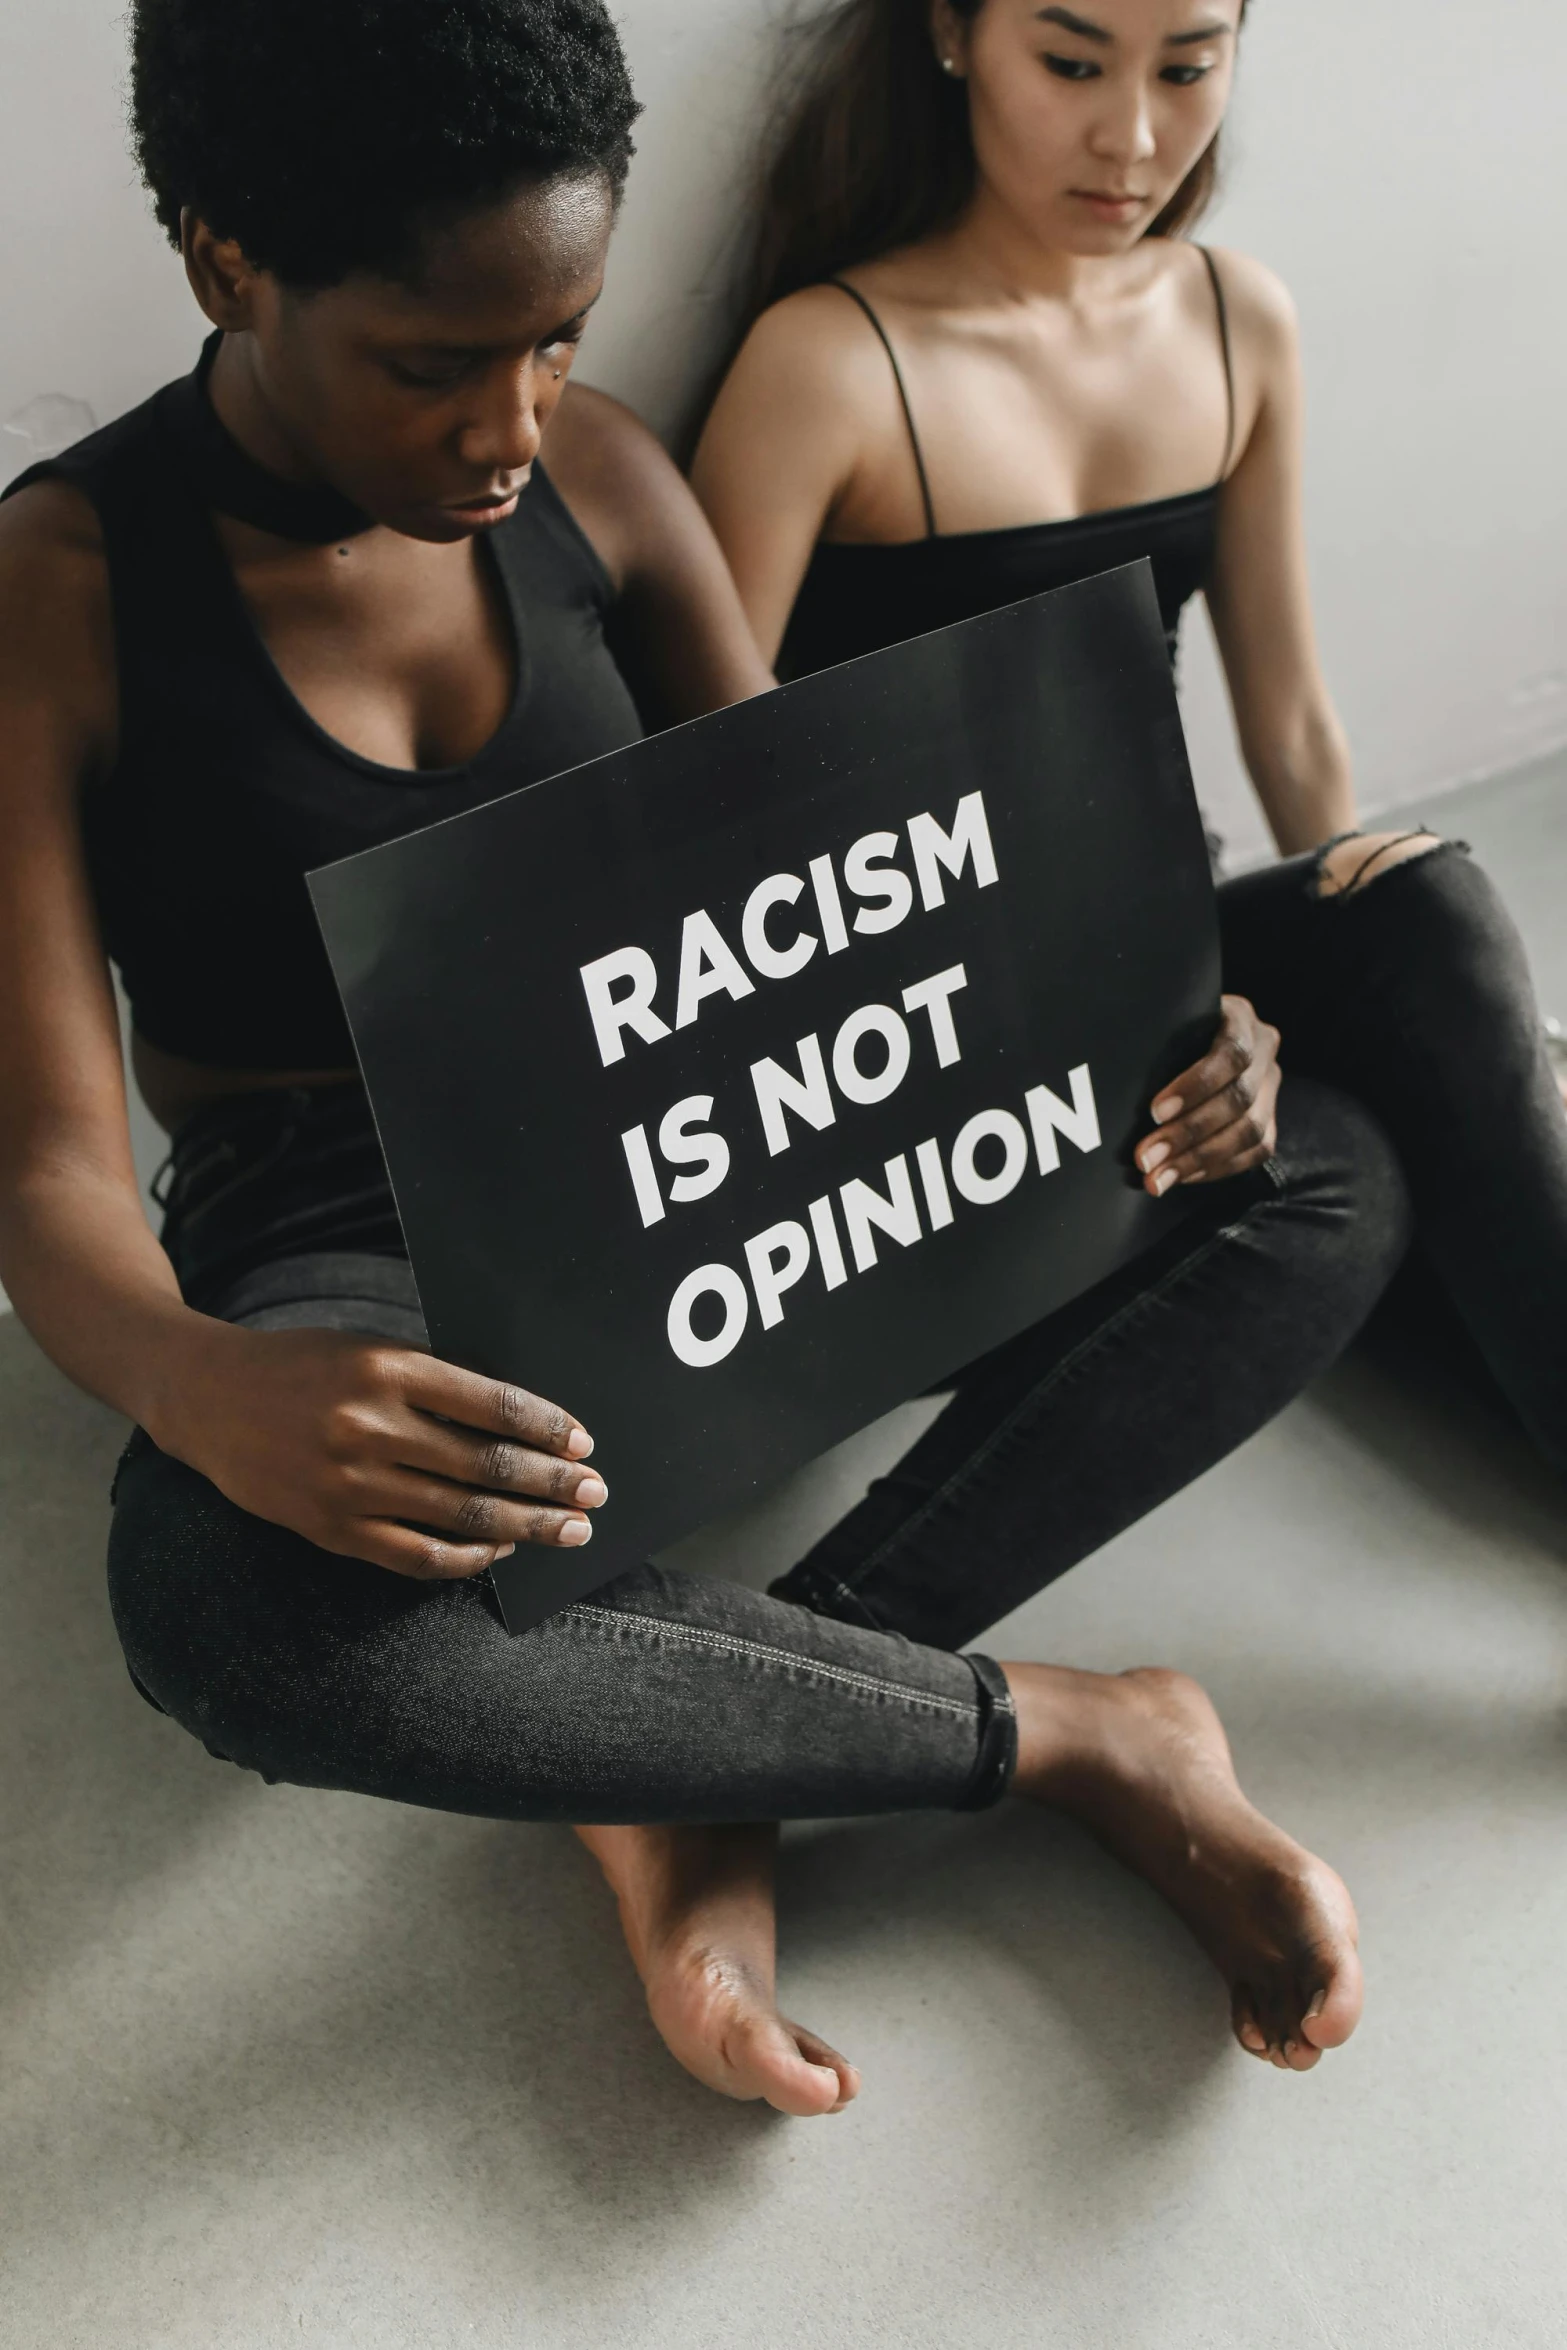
[(1087, 31), (1075, 24), (485, 350)]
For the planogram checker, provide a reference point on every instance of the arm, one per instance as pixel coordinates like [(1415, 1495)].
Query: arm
[(350, 1443), (1260, 595), (110, 1316), (680, 629), (808, 399)]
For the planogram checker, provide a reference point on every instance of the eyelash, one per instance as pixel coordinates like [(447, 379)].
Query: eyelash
[(425, 383), (567, 339), (1083, 69)]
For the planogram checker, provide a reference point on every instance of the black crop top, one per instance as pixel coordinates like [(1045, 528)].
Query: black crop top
[(225, 791), (856, 598)]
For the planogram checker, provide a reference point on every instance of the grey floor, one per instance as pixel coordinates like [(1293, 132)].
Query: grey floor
[(279, 2068)]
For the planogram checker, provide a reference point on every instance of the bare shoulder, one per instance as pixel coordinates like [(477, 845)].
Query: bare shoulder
[(56, 619), (623, 487), (1262, 311), (817, 338), (811, 385), (594, 439), (49, 538)]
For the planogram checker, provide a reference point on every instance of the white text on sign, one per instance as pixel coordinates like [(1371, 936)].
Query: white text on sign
[(779, 1258), (622, 988)]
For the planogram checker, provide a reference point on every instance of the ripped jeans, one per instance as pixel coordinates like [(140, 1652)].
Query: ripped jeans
[(1416, 1099)]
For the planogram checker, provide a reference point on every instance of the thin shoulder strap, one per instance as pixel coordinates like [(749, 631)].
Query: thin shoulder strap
[(854, 295), (1222, 308)]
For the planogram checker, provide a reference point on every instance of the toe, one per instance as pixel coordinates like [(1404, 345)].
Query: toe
[(766, 2060), (816, 2051), (1277, 2011), (1334, 2009), (1247, 2029)]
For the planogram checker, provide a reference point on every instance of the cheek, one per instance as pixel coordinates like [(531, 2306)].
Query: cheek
[(342, 405), (548, 388), (387, 425), (1023, 134), (393, 445), (1188, 127)]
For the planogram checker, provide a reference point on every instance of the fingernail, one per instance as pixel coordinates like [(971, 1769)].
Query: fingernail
[(1162, 1183), (1154, 1156), (504, 1552), (1194, 1177), (1317, 2005), (590, 1492), (575, 1532), (578, 1445), (1164, 1111)]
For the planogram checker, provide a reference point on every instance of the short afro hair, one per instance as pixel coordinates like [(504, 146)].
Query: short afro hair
[(325, 136)]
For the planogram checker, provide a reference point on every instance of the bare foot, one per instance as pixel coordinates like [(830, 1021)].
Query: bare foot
[(697, 1908), (1142, 1760)]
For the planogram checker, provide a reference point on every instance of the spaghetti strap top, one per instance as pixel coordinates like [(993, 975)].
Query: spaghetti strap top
[(1222, 311), (885, 340), (856, 598)]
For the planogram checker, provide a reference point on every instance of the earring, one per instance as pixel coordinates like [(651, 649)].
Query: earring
[(947, 65)]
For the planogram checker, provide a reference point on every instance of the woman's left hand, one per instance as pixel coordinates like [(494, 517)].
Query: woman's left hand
[(1219, 1117)]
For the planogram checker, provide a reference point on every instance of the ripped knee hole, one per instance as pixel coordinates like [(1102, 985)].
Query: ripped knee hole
[(1354, 863)]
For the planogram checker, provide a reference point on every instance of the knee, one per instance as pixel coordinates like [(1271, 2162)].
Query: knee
[(1355, 863), (1351, 1174), (1439, 913), (1381, 1222), (186, 1571)]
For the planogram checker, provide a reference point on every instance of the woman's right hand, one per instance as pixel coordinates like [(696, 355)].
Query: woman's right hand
[(379, 1452)]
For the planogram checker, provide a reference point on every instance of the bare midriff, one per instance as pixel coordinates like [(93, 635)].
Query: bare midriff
[(172, 1087)]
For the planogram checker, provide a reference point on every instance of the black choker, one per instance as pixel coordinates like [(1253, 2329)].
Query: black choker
[(230, 480)]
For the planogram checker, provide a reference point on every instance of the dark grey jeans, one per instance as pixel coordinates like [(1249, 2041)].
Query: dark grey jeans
[(677, 1697)]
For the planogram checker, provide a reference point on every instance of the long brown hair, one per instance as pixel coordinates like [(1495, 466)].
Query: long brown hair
[(872, 150)]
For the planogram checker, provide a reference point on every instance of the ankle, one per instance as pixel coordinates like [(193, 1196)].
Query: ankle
[(1051, 1723), (1076, 1729), (681, 1890)]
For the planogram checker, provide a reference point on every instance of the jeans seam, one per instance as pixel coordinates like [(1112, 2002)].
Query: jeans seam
[(1058, 1372), (734, 1644)]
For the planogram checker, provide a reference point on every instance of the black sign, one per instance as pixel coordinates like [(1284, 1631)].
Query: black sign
[(740, 1084)]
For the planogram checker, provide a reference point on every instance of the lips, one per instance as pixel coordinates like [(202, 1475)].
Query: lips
[(489, 500)]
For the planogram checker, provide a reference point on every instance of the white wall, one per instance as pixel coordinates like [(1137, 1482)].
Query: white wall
[(1401, 164)]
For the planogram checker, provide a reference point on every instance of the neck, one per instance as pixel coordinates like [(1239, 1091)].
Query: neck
[(246, 412), (245, 461), (997, 251)]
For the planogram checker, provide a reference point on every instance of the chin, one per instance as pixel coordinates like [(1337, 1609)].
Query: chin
[(442, 526), (1099, 240), (433, 525)]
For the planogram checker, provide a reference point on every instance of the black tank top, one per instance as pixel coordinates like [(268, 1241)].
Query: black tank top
[(225, 792), (855, 599)]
